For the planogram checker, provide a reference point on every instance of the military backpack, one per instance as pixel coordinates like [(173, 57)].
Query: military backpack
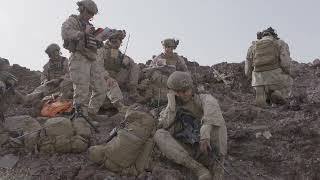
[(266, 55)]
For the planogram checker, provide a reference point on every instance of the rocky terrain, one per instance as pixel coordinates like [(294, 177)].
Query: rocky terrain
[(275, 143)]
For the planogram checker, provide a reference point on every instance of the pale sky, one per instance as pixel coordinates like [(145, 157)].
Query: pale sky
[(210, 31)]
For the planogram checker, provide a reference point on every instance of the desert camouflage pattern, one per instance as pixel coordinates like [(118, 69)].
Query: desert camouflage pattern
[(277, 81), (125, 71), (84, 69), (205, 108), (172, 60)]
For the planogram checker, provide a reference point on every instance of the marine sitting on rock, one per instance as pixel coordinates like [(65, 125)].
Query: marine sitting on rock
[(120, 71), (159, 70), (192, 130)]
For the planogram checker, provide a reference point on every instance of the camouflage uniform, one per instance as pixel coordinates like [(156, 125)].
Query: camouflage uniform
[(206, 109), (83, 67), (248, 68), (125, 71), (160, 69), (272, 83), (7, 83), (54, 70)]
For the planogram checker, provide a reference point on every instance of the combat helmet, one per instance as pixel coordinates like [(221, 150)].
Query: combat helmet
[(51, 48), (89, 5), (170, 43), (180, 81)]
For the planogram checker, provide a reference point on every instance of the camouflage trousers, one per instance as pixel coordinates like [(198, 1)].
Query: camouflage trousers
[(127, 76), (65, 89), (86, 74), (179, 153), (126, 79), (154, 87), (277, 94)]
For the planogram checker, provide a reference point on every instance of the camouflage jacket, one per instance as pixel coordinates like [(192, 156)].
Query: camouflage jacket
[(206, 109), (112, 61), (276, 76), (248, 68), (70, 31), (174, 60), (54, 70)]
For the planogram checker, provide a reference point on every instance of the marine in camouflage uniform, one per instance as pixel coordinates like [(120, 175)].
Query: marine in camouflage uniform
[(213, 132), (119, 69), (248, 63), (85, 73), (160, 69), (271, 77), (55, 76), (7, 84)]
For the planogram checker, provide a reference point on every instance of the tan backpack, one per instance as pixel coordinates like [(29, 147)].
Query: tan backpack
[(266, 55), (129, 147)]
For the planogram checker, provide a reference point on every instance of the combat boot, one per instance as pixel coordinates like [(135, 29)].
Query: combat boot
[(197, 168)]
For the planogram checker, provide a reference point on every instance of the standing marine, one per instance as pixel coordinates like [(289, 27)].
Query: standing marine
[(79, 38)]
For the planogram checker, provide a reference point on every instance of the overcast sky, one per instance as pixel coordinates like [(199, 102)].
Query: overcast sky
[(210, 31)]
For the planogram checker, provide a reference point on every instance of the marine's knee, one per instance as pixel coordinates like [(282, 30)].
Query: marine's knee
[(161, 134)]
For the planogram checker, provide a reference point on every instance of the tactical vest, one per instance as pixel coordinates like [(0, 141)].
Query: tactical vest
[(73, 45), (266, 55), (194, 110), (192, 107), (81, 45), (171, 59), (56, 69), (111, 63)]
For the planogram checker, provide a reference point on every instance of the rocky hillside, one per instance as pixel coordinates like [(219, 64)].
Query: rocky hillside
[(281, 143)]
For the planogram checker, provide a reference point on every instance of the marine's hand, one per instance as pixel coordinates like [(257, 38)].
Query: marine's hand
[(205, 146)]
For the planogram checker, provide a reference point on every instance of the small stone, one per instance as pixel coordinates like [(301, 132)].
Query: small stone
[(267, 134), (258, 134)]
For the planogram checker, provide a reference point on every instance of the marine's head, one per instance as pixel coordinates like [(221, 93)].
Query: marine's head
[(4, 64), (270, 32), (53, 51), (87, 9), (169, 45), (182, 84), (115, 40)]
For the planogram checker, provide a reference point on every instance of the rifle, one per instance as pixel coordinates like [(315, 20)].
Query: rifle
[(125, 51), (78, 114), (190, 132), (122, 56), (35, 131), (212, 154), (115, 130)]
